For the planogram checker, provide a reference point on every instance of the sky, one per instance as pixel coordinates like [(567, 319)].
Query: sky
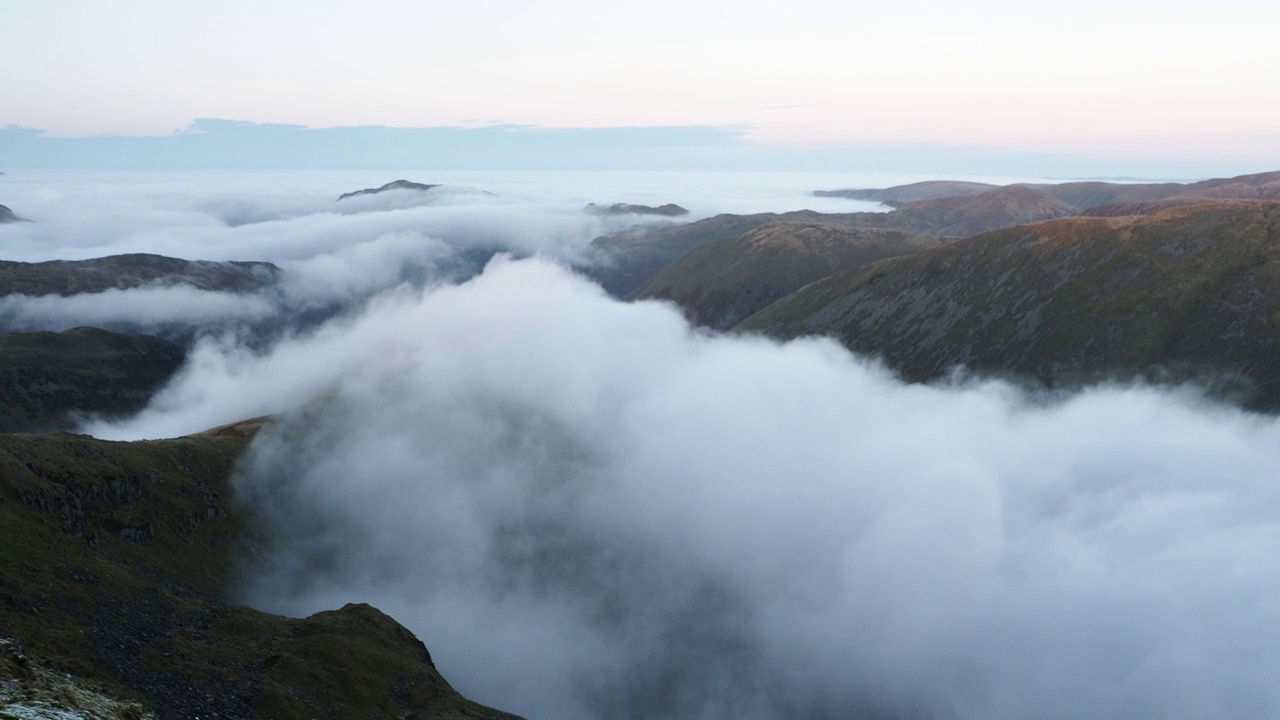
[(1131, 79)]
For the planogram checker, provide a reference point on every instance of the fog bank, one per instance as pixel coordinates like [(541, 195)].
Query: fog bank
[(588, 510)]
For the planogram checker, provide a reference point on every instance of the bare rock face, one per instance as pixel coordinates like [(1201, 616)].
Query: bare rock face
[(668, 210), (393, 185)]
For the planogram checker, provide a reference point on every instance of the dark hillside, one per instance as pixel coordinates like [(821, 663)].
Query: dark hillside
[(115, 562), (1184, 293), (120, 272), (628, 260), (48, 379), (720, 283)]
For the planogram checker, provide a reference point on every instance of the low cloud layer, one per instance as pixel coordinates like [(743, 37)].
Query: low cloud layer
[(335, 256), (587, 509)]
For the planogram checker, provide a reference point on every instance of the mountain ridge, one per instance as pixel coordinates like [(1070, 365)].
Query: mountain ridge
[(123, 272), (1185, 293), (722, 282)]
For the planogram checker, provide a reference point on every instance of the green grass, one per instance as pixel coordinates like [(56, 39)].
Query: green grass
[(47, 379), (115, 563), (1185, 294)]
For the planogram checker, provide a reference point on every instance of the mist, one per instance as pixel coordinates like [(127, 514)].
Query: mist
[(587, 509), (335, 256)]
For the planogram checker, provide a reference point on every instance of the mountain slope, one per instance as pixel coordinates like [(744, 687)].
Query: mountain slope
[(119, 272), (7, 216), (114, 563), (902, 194), (722, 282), (1082, 194), (1182, 293), (1085, 195), (627, 260), (393, 185), (47, 378)]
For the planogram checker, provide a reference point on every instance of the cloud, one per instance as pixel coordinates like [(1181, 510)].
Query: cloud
[(151, 308), (587, 509), (334, 255)]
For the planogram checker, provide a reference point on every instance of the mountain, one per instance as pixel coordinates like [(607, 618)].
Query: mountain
[(48, 379), (393, 185), (627, 260), (115, 562), (119, 272), (902, 194), (722, 282), (7, 216), (961, 215), (1182, 293), (1086, 194), (668, 210)]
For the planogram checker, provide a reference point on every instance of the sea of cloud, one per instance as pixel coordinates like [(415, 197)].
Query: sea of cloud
[(335, 255), (588, 509)]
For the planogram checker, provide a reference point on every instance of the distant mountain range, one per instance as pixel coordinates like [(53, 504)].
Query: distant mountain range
[(903, 194), (629, 259), (1081, 195), (1057, 284)]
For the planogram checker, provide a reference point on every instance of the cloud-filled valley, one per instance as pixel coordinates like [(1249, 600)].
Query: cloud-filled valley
[(588, 509)]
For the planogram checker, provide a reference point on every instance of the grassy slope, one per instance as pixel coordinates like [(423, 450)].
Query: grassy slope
[(68, 277), (113, 564), (722, 282), (46, 377), (1180, 293), (902, 194), (630, 259)]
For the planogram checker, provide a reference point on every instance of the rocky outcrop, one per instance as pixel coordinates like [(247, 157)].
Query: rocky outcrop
[(393, 185)]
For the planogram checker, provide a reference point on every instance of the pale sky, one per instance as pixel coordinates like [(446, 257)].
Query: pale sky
[(1088, 76)]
